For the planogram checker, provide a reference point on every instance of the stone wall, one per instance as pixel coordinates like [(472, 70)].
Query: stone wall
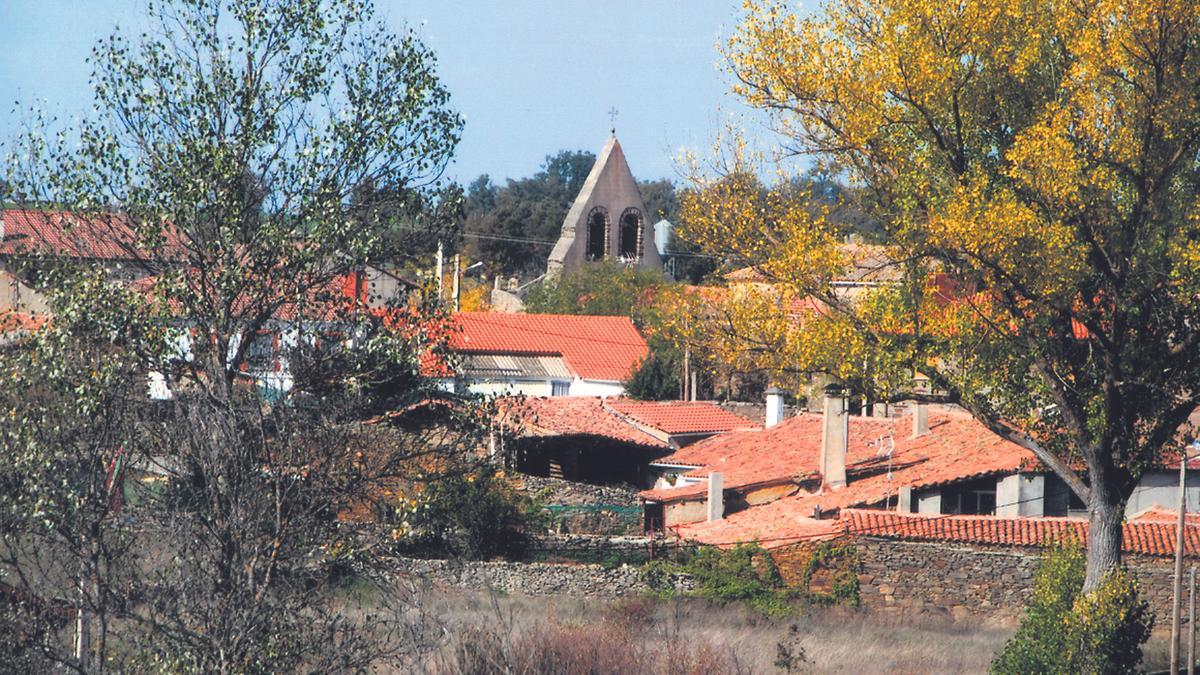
[(587, 509), (527, 578), (963, 581)]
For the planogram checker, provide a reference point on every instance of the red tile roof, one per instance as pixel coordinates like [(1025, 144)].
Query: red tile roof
[(594, 347), (790, 450), (21, 322), (1158, 514), (680, 417), (957, 448), (99, 236), (1148, 538), (570, 416)]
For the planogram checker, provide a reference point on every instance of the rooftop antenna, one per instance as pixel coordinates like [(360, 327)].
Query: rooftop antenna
[(612, 119)]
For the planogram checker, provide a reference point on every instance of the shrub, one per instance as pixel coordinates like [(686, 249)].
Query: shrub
[(594, 647), (744, 573), (1066, 631), (656, 379), (474, 514)]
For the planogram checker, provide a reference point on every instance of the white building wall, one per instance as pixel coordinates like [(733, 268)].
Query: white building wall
[(1161, 488), (581, 387), (510, 387)]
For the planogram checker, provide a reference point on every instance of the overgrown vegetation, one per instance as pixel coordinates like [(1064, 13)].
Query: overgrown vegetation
[(1066, 630), (474, 513), (747, 573)]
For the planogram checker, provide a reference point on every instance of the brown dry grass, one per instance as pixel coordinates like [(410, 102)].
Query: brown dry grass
[(487, 634)]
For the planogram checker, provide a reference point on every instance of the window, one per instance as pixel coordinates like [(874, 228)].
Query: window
[(974, 497), (560, 388), (631, 234), (597, 233), (260, 353)]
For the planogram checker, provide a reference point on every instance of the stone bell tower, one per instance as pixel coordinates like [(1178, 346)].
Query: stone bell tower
[(607, 220)]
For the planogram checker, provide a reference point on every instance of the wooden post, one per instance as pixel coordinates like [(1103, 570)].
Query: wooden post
[(1177, 590), (1191, 668)]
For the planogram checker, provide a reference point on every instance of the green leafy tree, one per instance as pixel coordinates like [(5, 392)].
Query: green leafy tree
[(605, 288), (232, 139), (1067, 631), (512, 228), (658, 378)]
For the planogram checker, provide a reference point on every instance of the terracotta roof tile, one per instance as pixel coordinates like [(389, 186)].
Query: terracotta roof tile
[(570, 416), (1147, 538), (21, 322), (790, 450), (594, 347), (957, 448), (680, 417), (101, 236)]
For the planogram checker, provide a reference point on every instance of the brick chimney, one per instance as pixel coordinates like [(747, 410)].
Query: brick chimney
[(835, 437), (774, 407)]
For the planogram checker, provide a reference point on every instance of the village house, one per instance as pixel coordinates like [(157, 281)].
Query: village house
[(31, 239), (599, 440), (543, 354), (794, 477)]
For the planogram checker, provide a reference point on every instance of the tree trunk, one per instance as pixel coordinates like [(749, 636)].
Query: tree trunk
[(1106, 513)]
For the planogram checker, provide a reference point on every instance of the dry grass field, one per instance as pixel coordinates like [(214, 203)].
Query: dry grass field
[(535, 635)]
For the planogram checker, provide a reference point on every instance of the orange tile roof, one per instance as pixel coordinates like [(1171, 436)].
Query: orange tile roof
[(790, 450), (17, 322), (1147, 538), (680, 417), (956, 448), (1158, 514), (594, 347), (773, 525), (99, 236), (570, 416)]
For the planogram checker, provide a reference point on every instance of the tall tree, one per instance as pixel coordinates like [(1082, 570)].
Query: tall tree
[(512, 228), (224, 153), (1039, 154)]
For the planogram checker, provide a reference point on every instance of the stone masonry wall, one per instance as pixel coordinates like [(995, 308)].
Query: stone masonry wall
[(962, 581), (527, 578), (583, 508)]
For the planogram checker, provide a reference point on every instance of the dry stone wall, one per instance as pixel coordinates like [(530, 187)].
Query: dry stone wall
[(583, 508), (527, 578), (963, 581)]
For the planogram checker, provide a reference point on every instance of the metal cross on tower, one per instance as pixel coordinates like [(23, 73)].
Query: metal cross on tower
[(612, 119)]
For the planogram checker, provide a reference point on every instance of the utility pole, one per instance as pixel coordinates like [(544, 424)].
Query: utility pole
[(438, 271), (457, 274), (1192, 623), (1178, 590), (687, 371)]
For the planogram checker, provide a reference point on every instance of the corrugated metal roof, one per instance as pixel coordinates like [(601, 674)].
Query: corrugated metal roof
[(515, 367)]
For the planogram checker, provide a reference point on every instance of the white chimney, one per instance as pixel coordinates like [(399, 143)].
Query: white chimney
[(2, 233), (716, 496), (920, 420), (774, 407), (835, 437)]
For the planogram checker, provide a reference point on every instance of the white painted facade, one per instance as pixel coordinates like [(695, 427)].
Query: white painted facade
[(547, 387)]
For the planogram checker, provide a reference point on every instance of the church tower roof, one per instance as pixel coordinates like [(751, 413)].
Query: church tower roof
[(611, 191)]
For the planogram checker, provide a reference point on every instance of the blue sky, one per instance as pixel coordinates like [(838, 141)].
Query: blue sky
[(530, 77)]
